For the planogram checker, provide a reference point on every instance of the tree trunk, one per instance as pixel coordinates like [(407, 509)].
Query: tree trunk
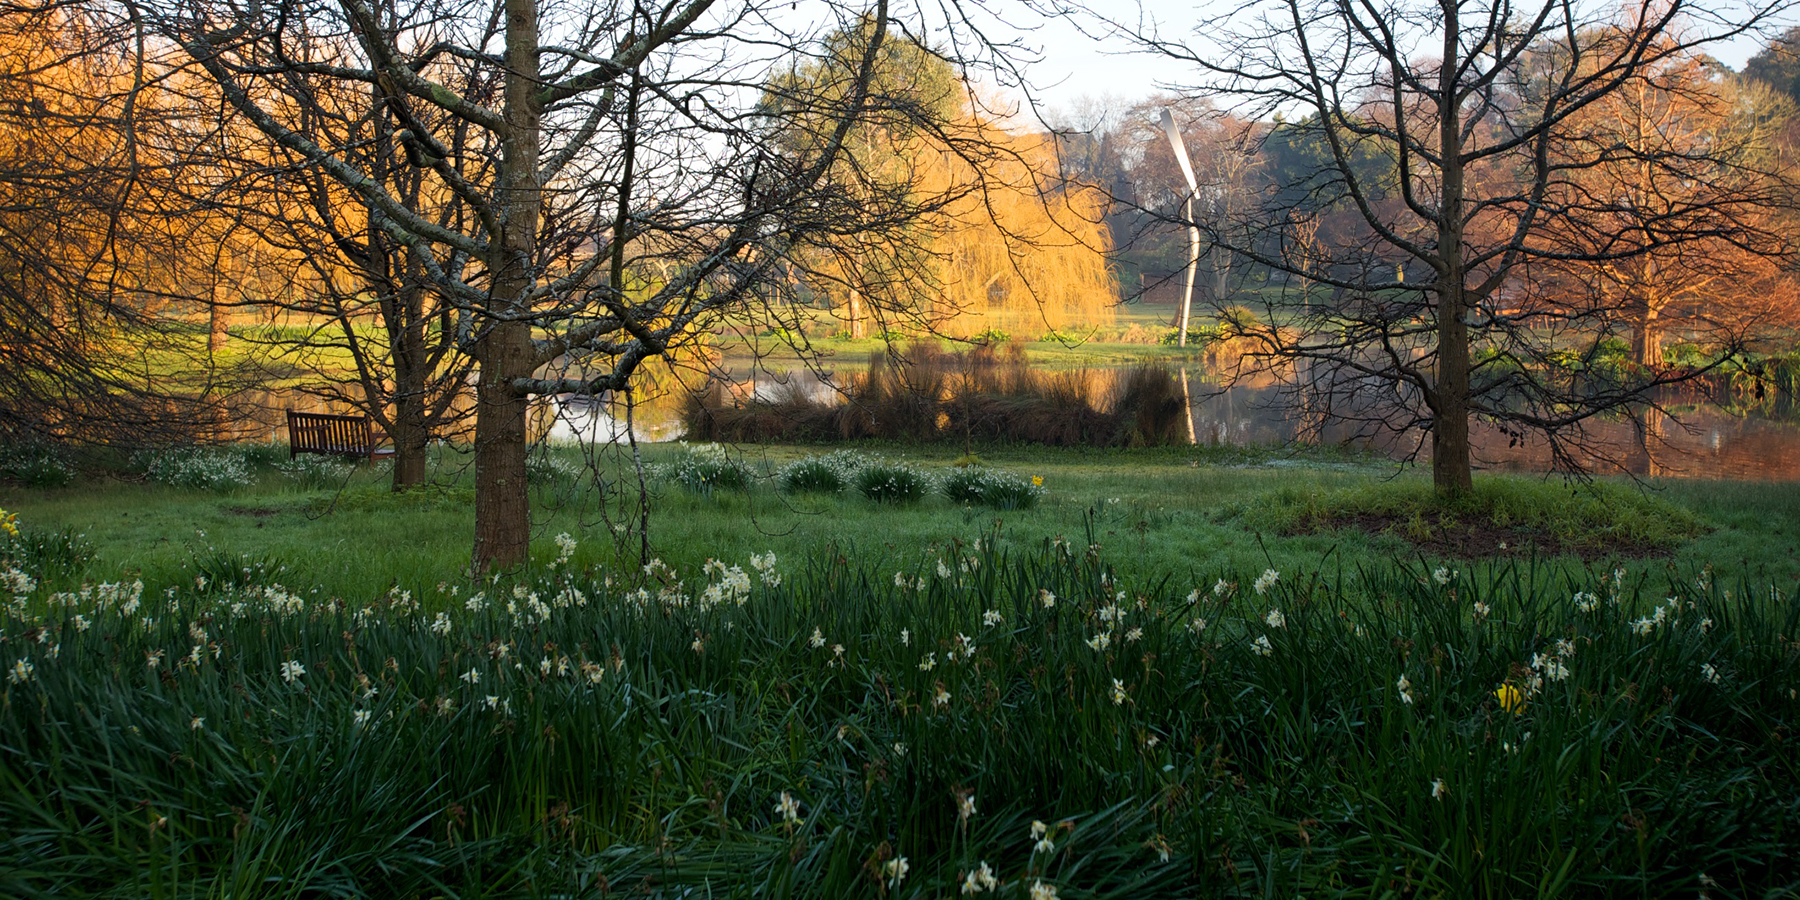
[(1187, 299), (1646, 339), (1450, 472), (218, 327), (412, 443), (411, 433), (502, 504), (857, 329)]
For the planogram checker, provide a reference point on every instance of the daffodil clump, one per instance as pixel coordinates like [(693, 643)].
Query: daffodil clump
[(980, 486), (312, 470), (992, 718), (219, 470), (828, 473), (544, 468), (885, 481), (35, 465), (706, 468), (16, 582)]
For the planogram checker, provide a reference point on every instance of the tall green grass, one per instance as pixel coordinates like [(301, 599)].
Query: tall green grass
[(577, 733)]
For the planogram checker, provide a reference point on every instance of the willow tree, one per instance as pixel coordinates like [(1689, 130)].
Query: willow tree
[(1029, 250), (1476, 109), (986, 235), (579, 143), (914, 99)]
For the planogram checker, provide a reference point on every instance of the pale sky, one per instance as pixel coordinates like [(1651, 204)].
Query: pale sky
[(1075, 65)]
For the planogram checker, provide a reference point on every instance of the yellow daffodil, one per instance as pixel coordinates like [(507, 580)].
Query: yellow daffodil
[(1511, 698)]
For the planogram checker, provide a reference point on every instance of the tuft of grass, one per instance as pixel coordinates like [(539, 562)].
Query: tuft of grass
[(1501, 514)]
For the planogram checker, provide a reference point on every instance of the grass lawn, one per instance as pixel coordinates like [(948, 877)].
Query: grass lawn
[(1187, 672), (1187, 512)]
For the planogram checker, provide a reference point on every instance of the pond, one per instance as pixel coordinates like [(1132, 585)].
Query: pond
[(1694, 439)]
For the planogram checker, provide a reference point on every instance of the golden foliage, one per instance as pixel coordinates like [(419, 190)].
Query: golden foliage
[(993, 240), (1025, 252)]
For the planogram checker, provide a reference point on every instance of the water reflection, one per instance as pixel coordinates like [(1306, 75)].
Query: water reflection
[(1692, 440), (590, 420)]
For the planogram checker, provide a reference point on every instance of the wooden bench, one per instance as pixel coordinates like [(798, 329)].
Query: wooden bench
[(333, 436)]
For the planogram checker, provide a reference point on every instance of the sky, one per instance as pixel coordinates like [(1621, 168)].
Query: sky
[(1075, 65)]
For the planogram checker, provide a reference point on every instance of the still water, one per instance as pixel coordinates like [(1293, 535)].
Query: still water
[(1695, 439)]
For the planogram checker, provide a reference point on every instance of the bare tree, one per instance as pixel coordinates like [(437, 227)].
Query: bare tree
[(600, 184), (1714, 288), (343, 302), (1453, 136), (103, 313)]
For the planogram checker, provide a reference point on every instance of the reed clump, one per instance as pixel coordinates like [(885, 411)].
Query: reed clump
[(982, 395)]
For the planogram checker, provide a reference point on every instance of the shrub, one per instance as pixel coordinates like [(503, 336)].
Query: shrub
[(1611, 347), (977, 486), (980, 396), (200, 468), (826, 474), (886, 482)]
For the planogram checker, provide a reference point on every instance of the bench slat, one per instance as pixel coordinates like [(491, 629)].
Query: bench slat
[(332, 435)]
